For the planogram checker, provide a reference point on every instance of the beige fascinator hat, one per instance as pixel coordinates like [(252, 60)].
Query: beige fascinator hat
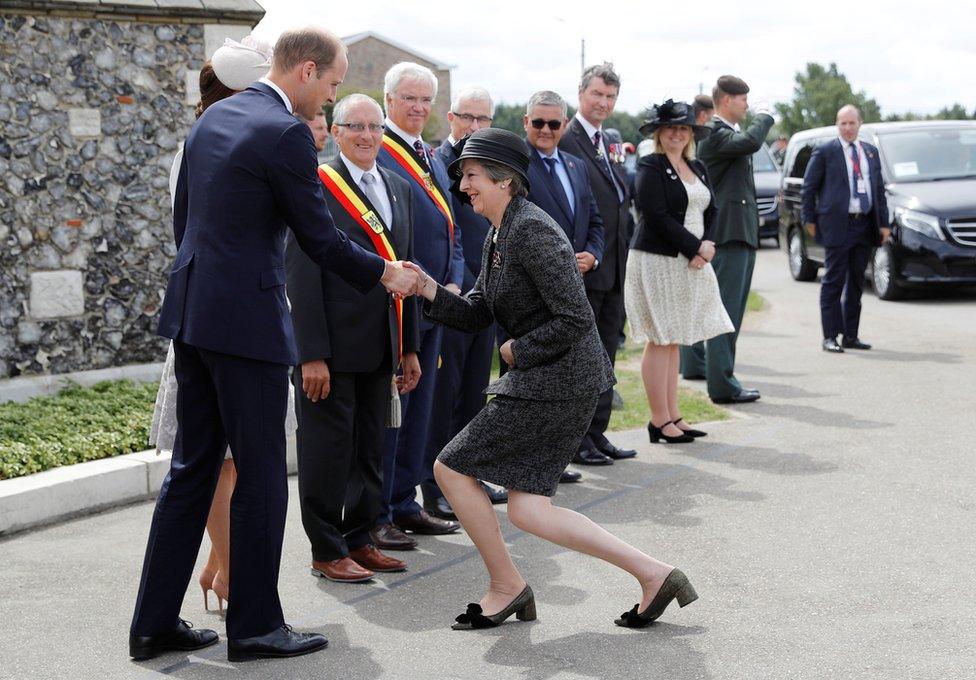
[(238, 64)]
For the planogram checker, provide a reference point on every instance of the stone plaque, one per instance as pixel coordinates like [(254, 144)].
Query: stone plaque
[(214, 34), (85, 122), (192, 86), (56, 294)]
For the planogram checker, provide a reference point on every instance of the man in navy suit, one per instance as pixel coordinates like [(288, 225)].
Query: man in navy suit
[(845, 209), (248, 172), (409, 91)]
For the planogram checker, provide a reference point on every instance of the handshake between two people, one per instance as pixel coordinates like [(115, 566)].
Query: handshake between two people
[(706, 251), (403, 279)]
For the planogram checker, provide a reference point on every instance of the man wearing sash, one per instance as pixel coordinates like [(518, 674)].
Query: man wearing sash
[(350, 345), (409, 91)]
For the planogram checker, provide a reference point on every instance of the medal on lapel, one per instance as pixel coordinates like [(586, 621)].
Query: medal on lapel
[(599, 152), (617, 153), (496, 260)]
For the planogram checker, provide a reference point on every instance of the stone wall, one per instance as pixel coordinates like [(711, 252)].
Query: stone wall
[(92, 111)]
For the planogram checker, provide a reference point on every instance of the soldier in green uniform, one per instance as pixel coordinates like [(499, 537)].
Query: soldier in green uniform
[(727, 152)]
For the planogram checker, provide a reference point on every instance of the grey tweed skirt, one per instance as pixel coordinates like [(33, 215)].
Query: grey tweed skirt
[(521, 444)]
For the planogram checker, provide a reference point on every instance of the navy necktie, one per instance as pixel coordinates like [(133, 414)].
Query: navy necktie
[(557, 186)]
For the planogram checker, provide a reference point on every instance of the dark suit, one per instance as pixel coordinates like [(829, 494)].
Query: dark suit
[(248, 172), (847, 238), (406, 461), (727, 154), (465, 366), (340, 438), (604, 287)]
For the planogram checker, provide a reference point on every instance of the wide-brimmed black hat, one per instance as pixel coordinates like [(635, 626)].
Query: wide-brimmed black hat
[(674, 113), (490, 144)]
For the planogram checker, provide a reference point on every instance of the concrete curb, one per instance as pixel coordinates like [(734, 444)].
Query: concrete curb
[(75, 490)]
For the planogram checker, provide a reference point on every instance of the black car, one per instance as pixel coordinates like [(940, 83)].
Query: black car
[(768, 178), (929, 169)]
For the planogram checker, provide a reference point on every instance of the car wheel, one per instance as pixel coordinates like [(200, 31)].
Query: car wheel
[(882, 276), (801, 269)]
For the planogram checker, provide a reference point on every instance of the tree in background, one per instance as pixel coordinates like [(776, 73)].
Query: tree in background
[(955, 112), (431, 129), (818, 94), (509, 117)]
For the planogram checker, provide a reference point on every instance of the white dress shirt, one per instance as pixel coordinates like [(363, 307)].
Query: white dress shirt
[(734, 126), (281, 93), (855, 206), (384, 208)]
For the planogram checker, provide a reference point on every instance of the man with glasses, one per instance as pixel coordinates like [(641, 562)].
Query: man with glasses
[(409, 91), (465, 367), (349, 346), (599, 87)]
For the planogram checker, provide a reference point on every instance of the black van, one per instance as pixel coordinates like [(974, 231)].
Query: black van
[(929, 169), (767, 177)]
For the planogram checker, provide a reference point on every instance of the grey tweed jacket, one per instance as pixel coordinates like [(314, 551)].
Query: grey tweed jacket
[(530, 285)]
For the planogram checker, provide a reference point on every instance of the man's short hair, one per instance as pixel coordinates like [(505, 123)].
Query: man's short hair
[(546, 98), (477, 94), (306, 44), (729, 85), (404, 70), (603, 71), (342, 107), (702, 102)]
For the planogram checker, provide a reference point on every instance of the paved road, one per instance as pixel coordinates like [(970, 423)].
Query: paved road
[(829, 532)]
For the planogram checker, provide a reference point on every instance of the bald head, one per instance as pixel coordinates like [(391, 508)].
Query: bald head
[(848, 122)]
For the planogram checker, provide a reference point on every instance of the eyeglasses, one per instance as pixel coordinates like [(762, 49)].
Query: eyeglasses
[(374, 128), (467, 118), (538, 124), (413, 101)]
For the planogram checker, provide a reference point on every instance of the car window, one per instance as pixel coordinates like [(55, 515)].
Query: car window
[(929, 154), (801, 159), (762, 160)]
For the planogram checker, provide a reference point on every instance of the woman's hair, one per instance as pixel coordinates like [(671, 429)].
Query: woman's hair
[(688, 152), (498, 173), (211, 89)]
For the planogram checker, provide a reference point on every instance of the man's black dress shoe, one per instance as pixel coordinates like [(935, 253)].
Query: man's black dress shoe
[(588, 456), (424, 524), (440, 508), (611, 451), (743, 397), (569, 477), (854, 343), (496, 496), (830, 345), (182, 639), (388, 537), (278, 643)]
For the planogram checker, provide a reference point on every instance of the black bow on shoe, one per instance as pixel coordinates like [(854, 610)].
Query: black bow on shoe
[(632, 619), (475, 618)]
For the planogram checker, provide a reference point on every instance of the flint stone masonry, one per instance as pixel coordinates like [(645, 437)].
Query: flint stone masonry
[(96, 97)]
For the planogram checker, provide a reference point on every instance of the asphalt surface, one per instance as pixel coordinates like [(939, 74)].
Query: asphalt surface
[(828, 531)]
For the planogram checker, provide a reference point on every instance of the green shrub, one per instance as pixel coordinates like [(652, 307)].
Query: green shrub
[(76, 425)]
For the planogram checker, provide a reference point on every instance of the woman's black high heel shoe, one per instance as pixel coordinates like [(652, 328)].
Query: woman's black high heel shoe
[(690, 432), (523, 606), (675, 587), (657, 434)]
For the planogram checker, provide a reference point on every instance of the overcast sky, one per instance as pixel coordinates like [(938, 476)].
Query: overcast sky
[(917, 56)]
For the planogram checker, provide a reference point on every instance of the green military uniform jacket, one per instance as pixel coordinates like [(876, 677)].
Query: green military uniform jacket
[(728, 156)]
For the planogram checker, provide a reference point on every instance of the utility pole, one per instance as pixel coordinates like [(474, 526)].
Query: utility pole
[(582, 54)]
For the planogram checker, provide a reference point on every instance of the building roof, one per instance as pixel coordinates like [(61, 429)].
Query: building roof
[(236, 11), (352, 39)]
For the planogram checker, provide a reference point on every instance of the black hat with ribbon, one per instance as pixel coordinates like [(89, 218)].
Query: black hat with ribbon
[(674, 113), (489, 144)]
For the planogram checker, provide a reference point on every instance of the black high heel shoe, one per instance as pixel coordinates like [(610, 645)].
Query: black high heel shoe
[(523, 606), (675, 587), (656, 434), (690, 432)]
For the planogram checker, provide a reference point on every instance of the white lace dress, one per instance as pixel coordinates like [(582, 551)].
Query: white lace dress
[(667, 302)]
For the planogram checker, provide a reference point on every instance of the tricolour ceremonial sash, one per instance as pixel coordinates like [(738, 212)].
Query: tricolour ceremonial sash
[(371, 224), (424, 179)]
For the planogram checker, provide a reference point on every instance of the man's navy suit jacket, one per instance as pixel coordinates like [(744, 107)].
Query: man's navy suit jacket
[(826, 194), (584, 227), (248, 172)]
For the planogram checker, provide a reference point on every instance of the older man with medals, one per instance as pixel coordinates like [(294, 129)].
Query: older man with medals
[(350, 345), (409, 91)]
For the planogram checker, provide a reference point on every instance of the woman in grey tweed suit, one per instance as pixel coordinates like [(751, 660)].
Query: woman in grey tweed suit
[(526, 435)]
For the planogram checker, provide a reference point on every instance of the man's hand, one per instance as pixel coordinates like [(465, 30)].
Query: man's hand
[(706, 251), (399, 280), (811, 229), (761, 105), (697, 262), (426, 286), (885, 234), (411, 373), (315, 380), (585, 261), (506, 351), (454, 288)]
